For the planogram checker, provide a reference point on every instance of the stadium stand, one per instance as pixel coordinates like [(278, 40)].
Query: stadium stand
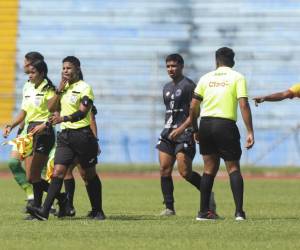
[(8, 34)]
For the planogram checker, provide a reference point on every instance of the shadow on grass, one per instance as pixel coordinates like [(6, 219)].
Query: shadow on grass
[(118, 218)]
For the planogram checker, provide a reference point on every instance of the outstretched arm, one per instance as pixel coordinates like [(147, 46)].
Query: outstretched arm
[(275, 97), (247, 117), (20, 117)]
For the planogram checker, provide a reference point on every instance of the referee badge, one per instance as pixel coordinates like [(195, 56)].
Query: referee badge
[(73, 99)]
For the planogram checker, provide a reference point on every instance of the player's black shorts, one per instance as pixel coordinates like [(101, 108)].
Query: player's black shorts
[(76, 143), (220, 136), (44, 141), (185, 144)]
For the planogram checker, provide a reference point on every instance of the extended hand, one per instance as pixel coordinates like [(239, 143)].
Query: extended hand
[(6, 131), (249, 140), (38, 129), (258, 99)]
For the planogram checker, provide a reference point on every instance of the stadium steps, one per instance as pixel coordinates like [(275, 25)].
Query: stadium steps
[(8, 33)]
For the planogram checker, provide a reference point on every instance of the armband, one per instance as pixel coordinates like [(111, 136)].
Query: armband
[(75, 117), (86, 101)]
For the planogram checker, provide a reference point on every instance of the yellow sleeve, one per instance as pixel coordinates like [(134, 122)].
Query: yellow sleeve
[(241, 87), (295, 89), (199, 90), (88, 92)]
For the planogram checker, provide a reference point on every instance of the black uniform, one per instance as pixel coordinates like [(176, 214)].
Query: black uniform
[(177, 98)]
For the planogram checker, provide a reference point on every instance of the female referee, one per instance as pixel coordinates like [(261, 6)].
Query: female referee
[(74, 98), (34, 111)]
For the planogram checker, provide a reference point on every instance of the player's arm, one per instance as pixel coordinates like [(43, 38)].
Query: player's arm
[(275, 97), (81, 113), (93, 124), (9, 127), (247, 117)]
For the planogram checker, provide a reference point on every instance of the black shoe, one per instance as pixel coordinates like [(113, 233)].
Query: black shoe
[(99, 216), (30, 203), (62, 202), (209, 215), (96, 215), (70, 211), (38, 213), (240, 216)]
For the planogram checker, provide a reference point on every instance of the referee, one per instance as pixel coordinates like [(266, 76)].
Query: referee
[(220, 92), (76, 140)]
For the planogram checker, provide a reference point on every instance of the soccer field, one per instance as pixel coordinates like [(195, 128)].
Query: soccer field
[(132, 207)]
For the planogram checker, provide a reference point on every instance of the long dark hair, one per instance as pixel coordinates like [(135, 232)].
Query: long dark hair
[(42, 67), (75, 61), (34, 56)]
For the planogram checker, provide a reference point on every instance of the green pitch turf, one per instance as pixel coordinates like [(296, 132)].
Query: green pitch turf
[(132, 208)]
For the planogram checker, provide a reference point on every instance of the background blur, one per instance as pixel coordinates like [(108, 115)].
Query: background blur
[(122, 45)]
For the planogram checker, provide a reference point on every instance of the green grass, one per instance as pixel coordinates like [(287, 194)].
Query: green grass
[(272, 206)]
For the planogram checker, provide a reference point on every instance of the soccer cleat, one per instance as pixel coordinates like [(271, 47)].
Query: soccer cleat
[(38, 213), (167, 212), (96, 215), (70, 211), (209, 215), (99, 216), (239, 216)]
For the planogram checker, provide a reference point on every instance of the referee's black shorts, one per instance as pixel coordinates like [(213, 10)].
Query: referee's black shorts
[(76, 143), (44, 141), (220, 136)]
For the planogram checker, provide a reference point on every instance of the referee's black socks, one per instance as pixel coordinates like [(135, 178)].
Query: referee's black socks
[(167, 188), (70, 190), (38, 193), (237, 187), (53, 191), (195, 179), (207, 182), (94, 190)]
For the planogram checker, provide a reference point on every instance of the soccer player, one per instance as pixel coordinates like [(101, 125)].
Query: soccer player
[(15, 161), (34, 110), (220, 91), (176, 142), (74, 98), (293, 91)]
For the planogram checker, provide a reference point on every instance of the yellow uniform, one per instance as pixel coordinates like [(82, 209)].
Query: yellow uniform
[(295, 89), (70, 101), (35, 102), (219, 91)]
